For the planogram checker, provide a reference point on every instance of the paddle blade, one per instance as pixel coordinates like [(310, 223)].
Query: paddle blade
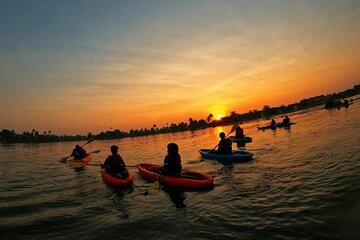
[(155, 186), (63, 160)]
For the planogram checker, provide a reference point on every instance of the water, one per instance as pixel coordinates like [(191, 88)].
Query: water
[(303, 183)]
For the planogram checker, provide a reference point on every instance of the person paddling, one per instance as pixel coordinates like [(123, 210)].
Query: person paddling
[(239, 132), (114, 164), (286, 121), (225, 145), (272, 123), (78, 153)]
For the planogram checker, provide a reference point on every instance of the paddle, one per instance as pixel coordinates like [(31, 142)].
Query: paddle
[(89, 141), (232, 130), (155, 186)]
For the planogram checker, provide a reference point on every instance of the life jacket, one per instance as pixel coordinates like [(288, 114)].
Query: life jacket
[(114, 164), (172, 164), (79, 153)]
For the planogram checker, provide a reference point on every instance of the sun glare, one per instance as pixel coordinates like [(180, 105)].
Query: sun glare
[(218, 116)]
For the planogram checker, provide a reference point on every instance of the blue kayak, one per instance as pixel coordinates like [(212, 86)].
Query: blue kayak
[(233, 157), (241, 140)]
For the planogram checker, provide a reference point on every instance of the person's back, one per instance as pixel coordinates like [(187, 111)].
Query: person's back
[(225, 145), (272, 123), (172, 161), (78, 152), (239, 132), (286, 120), (114, 164)]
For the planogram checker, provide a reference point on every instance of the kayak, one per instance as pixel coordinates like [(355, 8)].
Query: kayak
[(76, 163), (233, 157), (267, 127), (187, 179), (279, 125), (241, 140), (116, 181), (283, 125)]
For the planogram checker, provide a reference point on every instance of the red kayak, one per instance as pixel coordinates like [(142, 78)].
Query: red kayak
[(187, 179), (115, 181), (79, 162)]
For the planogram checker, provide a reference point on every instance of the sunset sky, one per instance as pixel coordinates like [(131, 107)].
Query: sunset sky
[(79, 66)]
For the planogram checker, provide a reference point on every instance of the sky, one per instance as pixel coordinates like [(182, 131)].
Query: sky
[(89, 66)]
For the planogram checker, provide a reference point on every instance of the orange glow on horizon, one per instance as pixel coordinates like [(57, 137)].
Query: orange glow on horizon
[(149, 76)]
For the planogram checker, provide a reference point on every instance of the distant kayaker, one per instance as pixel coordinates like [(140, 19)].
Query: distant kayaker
[(272, 123), (172, 161), (286, 121), (239, 133), (225, 144), (114, 164), (78, 152)]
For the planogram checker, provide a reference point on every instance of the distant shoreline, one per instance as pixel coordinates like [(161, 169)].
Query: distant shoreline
[(10, 136)]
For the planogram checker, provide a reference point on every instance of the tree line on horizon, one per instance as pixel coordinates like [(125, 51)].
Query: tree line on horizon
[(10, 136)]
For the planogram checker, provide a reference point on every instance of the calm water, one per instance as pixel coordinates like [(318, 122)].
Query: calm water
[(303, 183)]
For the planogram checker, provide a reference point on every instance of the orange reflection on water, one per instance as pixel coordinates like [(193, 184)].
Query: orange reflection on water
[(219, 130)]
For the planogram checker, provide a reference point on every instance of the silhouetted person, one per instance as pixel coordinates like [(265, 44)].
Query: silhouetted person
[(172, 161), (225, 145), (78, 152), (239, 132), (114, 164), (272, 123), (346, 103), (286, 121)]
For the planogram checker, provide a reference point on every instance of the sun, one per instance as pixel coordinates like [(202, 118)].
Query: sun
[(218, 116)]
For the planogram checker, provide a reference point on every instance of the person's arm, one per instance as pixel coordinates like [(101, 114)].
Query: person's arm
[(106, 163), (122, 162)]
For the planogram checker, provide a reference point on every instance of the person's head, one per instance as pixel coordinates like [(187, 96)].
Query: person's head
[(173, 148), (114, 149), (77, 146), (222, 135)]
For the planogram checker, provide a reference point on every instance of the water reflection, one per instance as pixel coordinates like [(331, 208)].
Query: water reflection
[(238, 144), (291, 189), (177, 197), (119, 196)]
